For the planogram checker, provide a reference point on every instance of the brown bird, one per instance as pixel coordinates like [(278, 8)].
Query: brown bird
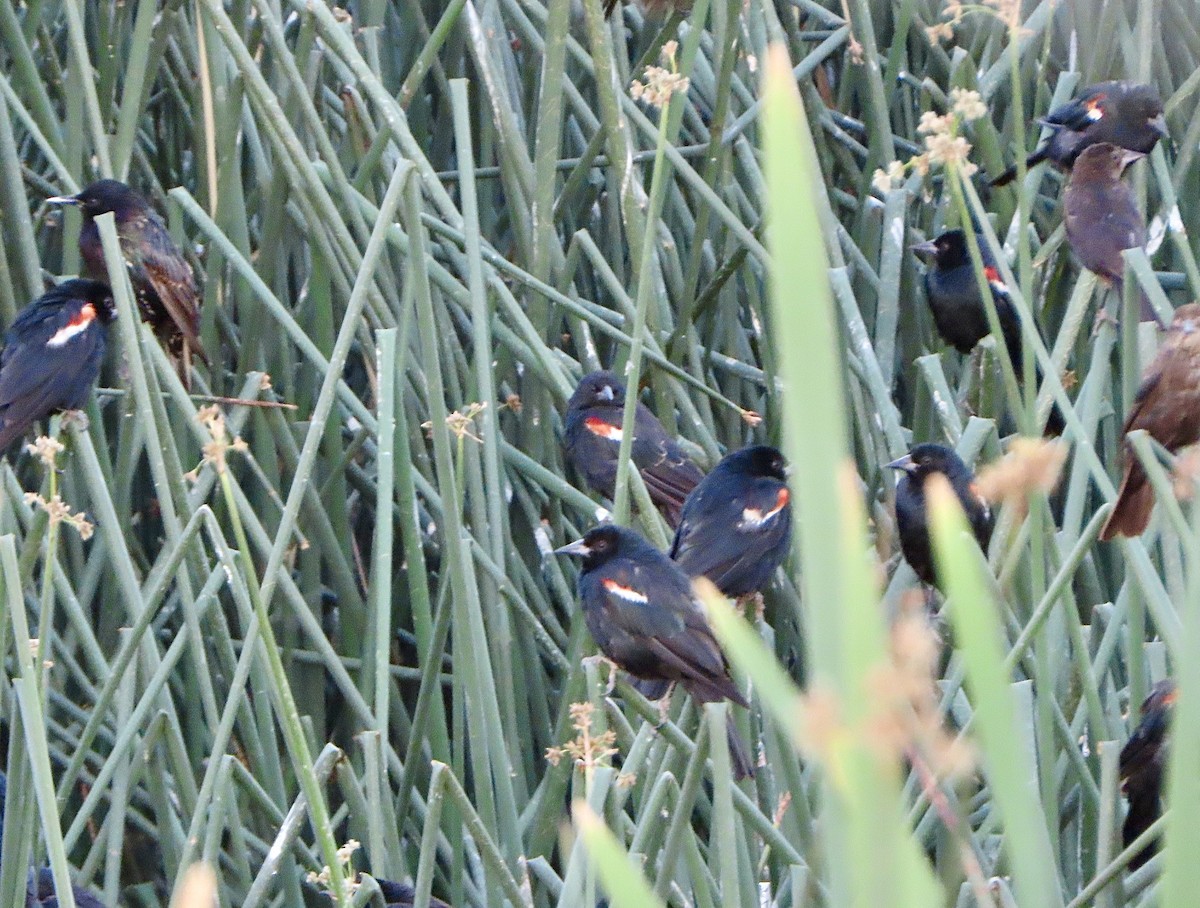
[(161, 278), (1101, 214), (1167, 406)]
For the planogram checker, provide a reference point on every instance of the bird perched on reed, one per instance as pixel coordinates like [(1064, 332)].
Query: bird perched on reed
[(1125, 114), (912, 517), (954, 297), (1101, 215), (52, 355), (162, 280), (1167, 405), (736, 525), (643, 615), (592, 439), (1142, 765)]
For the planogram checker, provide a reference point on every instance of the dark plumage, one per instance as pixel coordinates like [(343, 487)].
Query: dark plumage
[(161, 278), (958, 308), (401, 895), (40, 893), (1143, 761), (1100, 212), (52, 355), (39, 887), (954, 299), (1167, 405), (736, 525), (642, 613), (1124, 114), (593, 438), (911, 517)]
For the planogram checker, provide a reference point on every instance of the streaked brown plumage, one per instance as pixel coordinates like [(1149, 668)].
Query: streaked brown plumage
[(1167, 406), (161, 278), (1100, 212)]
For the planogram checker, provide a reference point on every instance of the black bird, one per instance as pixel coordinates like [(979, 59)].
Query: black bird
[(911, 517), (1101, 214), (1167, 405), (644, 616), (593, 439), (954, 299), (1124, 114), (736, 525), (1143, 762), (957, 305), (52, 355), (161, 278)]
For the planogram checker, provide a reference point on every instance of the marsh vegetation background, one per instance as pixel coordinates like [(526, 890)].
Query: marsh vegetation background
[(416, 225)]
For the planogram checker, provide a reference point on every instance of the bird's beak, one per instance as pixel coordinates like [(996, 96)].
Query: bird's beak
[(904, 463), (62, 200), (1128, 157), (578, 547), (929, 247), (606, 393), (1159, 124)]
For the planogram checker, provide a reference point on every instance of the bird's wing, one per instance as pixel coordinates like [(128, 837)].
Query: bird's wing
[(668, 472), (718, 539), (43, 365), (1080, 113), (153, 257)]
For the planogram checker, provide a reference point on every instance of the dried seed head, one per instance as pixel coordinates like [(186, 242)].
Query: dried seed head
[(1031, 465), (46, 449)]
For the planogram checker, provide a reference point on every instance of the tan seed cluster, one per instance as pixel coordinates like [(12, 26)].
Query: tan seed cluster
[(1031, 465), (587, 749)]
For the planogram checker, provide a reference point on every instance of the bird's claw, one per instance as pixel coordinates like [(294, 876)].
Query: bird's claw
[(76, 417), (598, 660), (664, 704), (1104, 316)]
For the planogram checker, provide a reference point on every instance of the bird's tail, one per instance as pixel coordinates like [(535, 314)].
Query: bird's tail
[(1055, 423), (12, 432), (739, 753), (1144, 809), (1011, 174), (1135, 501)]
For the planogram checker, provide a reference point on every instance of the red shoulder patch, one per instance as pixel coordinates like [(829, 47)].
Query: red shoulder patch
[(628, 593), (77, 325), (598, 426)]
